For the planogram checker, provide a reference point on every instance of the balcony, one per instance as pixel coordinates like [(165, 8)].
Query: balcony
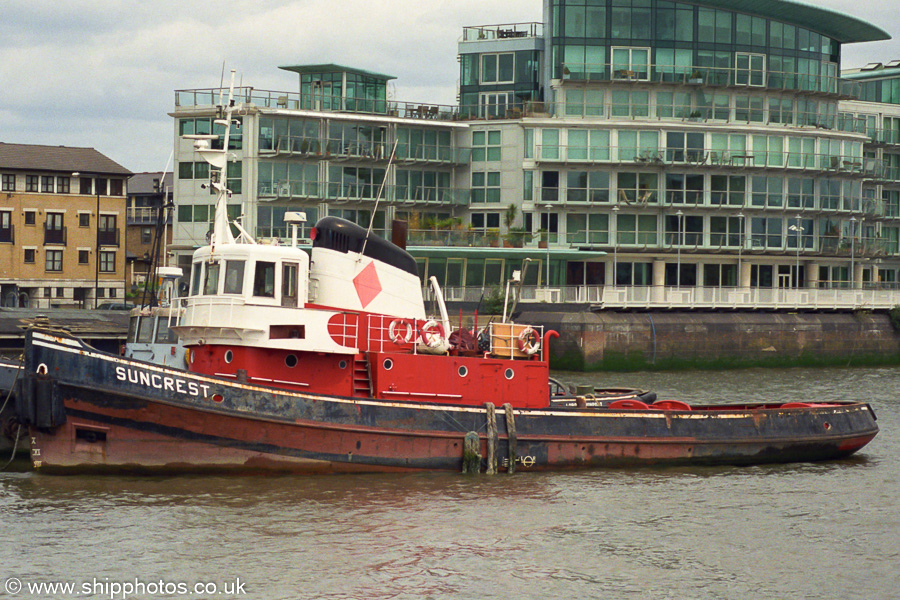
[(209, 98), (690, 158), (695, 298), (748, 79), (363, 192), (8, 235), (481, 33), (55, 236), (108, 237), (146, 215), (363, 151)]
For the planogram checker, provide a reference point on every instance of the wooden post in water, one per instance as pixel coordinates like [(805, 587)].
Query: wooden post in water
[(471, 456)]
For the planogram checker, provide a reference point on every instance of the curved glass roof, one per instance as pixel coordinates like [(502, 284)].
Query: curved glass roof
[(836, 25)]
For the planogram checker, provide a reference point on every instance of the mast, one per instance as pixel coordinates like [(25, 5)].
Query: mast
[(218, 161)]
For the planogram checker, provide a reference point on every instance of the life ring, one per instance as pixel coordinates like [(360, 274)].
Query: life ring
[(529, 341), (400, 331), (432, 334)]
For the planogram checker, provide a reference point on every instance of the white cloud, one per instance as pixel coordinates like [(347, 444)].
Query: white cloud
[(102, 73)]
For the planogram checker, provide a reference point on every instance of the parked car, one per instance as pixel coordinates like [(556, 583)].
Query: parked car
[(116, 306)]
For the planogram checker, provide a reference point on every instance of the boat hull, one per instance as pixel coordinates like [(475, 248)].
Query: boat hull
[(88, 410)]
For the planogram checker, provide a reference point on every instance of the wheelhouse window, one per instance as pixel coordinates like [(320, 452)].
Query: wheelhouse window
[(264, 279), (234, 277), (196, 278), (211, 283)]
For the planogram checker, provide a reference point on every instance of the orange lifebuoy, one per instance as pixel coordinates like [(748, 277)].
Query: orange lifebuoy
[(529, 341)]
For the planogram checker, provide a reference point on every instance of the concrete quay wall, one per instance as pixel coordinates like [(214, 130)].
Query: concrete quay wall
[(607, 340)]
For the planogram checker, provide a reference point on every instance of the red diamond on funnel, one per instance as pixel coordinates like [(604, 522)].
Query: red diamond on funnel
[(367, 284)]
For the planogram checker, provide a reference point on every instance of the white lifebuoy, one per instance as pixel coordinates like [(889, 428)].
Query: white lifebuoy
[(400, 331), (432, 334), (529, 341)]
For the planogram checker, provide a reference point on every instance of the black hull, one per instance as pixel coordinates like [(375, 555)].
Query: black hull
[(88, 410)]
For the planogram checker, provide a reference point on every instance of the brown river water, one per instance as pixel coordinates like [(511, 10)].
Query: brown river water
[(805, 531)]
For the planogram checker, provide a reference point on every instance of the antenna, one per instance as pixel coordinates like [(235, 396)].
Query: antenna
[(378, 197)]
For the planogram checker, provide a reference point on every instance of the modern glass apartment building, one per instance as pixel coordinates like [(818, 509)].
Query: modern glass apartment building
[(635, 152)]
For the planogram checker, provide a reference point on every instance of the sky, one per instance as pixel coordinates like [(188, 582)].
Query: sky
[(103, 73)]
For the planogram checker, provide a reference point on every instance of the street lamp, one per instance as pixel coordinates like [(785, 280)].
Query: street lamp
[(97, 248), (679, 242), (615, 246), (799, 230), (852, 251), (740, 216), (549, 207)]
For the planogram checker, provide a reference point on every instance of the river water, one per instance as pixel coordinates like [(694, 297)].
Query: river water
[(806, 531)]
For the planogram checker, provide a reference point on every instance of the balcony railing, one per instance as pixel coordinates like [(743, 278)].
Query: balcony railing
[(55, 236), (146, 215), (362, 150), (482, 33), (696, 298), (108, 237), (367, 192), (713, 76)]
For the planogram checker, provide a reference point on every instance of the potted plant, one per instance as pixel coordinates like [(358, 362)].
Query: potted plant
[(493, 237), (696, 77), (542, 243), (517, 236)]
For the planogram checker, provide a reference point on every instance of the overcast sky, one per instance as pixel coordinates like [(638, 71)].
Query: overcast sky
[(102, 73)]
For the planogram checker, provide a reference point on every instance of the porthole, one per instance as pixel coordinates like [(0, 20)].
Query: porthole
[(290, 361), (217, 398), (508, 374), (388, 364), (342, 364), (463, 371), (229, 356)]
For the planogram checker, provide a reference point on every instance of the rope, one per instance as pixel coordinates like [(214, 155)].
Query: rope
[(15, 445)]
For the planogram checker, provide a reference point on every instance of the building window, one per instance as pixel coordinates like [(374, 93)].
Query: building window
[(63, 185), (631, 63), (107, 262), (485, 146), (85, 185), (726, 231), (84, 257), (767, 232), (60, 292), (29, 256), (485, 221), (146, 235), (636, 229), (684, 188), (100, 186), (494, 104), (485, 187), (638, 188), (53, 260), (6, 228), (498, 68), (750, 69), (626, 103), (47, 184), (590, 229), (587, 186), (30, 216), (31, 183), (115, 187), (727, 189), (84, 219), (9, 182)]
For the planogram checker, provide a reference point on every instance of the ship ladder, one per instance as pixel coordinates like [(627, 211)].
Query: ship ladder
[(362, 377)]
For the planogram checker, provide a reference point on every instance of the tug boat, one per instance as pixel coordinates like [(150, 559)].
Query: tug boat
[(327, 361)]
